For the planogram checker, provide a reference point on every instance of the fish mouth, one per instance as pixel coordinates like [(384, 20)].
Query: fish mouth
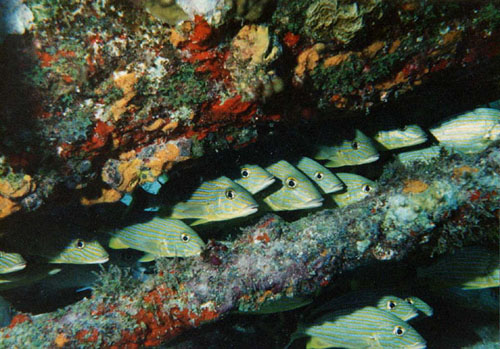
[(266, 183), (417, 346), (312, 203), (334, 189), (102, 260), (17, 268), (249, 210), (370, 159)]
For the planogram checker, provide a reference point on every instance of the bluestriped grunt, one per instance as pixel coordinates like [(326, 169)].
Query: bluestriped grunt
[(420, 305), (472, 267), (216, 200), (327, 181), (366, 327), (79, 251), (254, 178), (357, 189), (159, 237), (11, 262), (357, 151), (425, 155), (471, 132), (296, 193), (400, 138)]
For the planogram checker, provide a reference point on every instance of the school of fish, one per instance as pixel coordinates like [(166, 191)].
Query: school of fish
[(352, 321)]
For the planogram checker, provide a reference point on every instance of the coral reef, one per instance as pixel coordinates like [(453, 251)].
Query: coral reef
[(273, 258)]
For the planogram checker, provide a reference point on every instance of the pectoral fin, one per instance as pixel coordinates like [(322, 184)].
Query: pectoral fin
[(148, 257), (116, 243)]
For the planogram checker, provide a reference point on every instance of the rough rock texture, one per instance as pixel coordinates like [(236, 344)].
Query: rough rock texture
[(416, 213)]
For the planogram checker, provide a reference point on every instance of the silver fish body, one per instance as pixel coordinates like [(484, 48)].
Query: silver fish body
[(471, 132), (159, 237), (425, 155), (358, 151), (366, 327), (11, 262), (327, 181), (472, 267), (400, 138), (357, 188), (296, 193), (216, 200), (254, 178)]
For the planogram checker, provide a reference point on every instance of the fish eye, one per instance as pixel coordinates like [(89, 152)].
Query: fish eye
[(319, 175), (409, 300), (366, 188), (185, 238), (230, 194), (398, 331), (245, 172), (355, 145), (80, 244), (291, 182), (391, 305)]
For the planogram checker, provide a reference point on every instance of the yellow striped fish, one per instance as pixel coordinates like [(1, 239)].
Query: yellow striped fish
[(357, 151), (254, 178), (472, 267), (354, 300), (159, 237), (323, 177), (11, 262), (79, 251), (296, 193), (420, 305), (394, 139), (425, 155), (357, 188), (471, 132), (216, 200), (366, 327)]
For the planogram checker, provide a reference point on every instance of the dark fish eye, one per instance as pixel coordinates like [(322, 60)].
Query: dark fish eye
[(367, 188), (398, 331), (391, 305), (409, 300), (185, 238), (80, 244), (291, 182), (318, 175), (245, 172), (230, 194), (355, 145)]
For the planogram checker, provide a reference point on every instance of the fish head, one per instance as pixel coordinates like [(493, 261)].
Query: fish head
[(80, 251), (408, 136), (254, 178), (392, 332), (296, 193), (397, 306), (11, 262), (420, 305), (358, 151), (232, 200), (357, 189), (320, 175), (183, 242)]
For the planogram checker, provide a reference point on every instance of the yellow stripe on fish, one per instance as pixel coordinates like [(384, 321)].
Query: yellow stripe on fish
[(471, 132), (216, 200), (11, 262), (425, 155), (319, 174), (358, 151), (470, 268), (420, 305), (394, 139), (254, 178), (296, 193), (353, 300), (366, 327), (79, 251), (159, 237), (357, 188)]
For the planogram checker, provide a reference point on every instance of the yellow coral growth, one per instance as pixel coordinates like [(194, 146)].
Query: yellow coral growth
[(161, 157), (107, 196), (7, 207), (126, 82), (414, 186), (308, 59), (16, 188), (130, 172), (251, 44)]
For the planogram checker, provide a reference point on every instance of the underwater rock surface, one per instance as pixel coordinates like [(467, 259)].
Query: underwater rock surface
[(417, 213), (100, 97)]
